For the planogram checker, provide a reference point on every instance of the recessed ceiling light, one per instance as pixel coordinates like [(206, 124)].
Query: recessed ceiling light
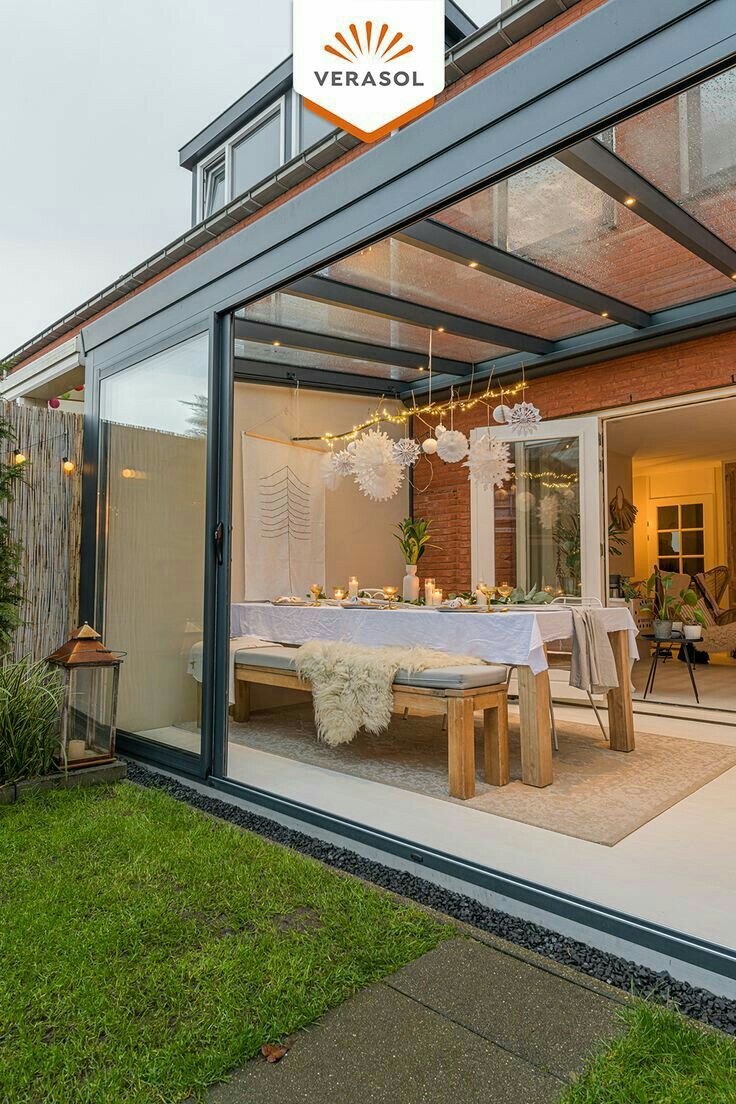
[(276, 344), (473, 264), (440, 329), (630, 201), (604, 314)]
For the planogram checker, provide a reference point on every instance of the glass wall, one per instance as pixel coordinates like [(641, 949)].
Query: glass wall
[(153, 467)]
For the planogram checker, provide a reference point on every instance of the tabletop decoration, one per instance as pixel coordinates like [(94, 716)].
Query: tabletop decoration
[(489, 463), (338, 593), (391, 592), (353, 587), (376, 472), (316, 591)]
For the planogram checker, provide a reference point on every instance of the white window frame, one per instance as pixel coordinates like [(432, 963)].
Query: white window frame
[(226, 151)]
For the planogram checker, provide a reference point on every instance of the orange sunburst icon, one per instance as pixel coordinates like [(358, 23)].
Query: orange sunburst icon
[(369, 43)]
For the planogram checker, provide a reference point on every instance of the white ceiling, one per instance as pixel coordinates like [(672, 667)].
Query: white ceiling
[(697, 431)]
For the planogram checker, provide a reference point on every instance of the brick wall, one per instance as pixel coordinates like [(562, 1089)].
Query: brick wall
[(698, 365)]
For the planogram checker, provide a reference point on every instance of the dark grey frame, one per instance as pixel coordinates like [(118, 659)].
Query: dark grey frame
[(635, 55)]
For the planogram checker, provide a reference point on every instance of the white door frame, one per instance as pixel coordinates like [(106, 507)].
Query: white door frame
[(482, 512)]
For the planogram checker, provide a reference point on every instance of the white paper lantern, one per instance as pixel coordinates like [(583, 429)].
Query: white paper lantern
[(376, 472), (406, 452), (429, 446), (489, 462), (502, 414), (452, 446)]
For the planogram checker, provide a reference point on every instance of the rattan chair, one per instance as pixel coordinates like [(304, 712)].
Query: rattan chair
[(719, 631)]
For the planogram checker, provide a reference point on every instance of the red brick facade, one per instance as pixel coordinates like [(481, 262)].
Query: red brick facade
[(699, 365)]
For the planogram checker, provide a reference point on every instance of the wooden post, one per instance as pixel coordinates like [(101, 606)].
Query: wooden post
[(241, 708), (461, 747), (620, 708), (535, 725), (496, 734)]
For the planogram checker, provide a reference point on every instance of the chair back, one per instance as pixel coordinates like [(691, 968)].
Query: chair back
[(714, 583)]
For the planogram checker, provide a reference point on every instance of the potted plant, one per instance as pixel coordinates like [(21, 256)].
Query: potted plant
[(413, 536), (667, 608)]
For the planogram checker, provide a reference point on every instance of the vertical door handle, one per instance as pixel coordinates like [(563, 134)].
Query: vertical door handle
[(219, 535)]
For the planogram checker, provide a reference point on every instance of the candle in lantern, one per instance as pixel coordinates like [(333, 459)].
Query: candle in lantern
[(75, 750), (437, 597), (390, 592), (353, 587), (338, 593), (429, 592)]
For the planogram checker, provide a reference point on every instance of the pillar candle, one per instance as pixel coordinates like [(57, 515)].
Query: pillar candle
[(429, 592), (75, 750), (353, 587)]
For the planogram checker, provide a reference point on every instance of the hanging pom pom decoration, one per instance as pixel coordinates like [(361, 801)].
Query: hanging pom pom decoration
[(406, 452), (54, 404), (429, 447), (329, 474), (439, 430), (549, 511), (342, 462), (489, 462), (376, 472), (524, 419), (502, 414), (452, 446), (525, 500)]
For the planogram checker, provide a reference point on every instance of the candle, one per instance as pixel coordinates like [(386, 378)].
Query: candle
[(338, 593), (390, 592), (353, 587), (437, 597), (75, 749), (480, 594), (429, 592)]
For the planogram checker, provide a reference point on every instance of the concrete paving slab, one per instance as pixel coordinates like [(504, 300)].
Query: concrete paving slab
[(546, 1019), (384, 1046)]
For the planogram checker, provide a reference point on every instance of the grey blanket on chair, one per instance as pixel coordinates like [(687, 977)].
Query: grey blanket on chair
[(593, 667)]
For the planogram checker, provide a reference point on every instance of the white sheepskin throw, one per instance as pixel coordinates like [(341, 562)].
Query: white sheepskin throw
[(351, 684)]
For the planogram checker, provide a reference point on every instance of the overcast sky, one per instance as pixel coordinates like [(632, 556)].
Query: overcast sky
[(96, 97)]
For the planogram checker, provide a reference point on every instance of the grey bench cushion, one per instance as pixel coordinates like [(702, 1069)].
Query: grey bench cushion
[(439, 678)]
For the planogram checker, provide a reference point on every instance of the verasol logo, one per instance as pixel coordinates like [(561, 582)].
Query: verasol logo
[(369, 67)]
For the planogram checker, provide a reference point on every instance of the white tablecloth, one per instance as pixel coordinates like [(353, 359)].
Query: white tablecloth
[(516, 638)]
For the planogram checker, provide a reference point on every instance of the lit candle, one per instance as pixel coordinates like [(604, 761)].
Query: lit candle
[(353, 587), (338, 593), (390, 592), (437, 597), (429, 592)]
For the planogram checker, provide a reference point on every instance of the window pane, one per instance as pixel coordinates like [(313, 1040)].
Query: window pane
[(693, 543), (693, 565), (669, 544), (214, 195), (692, 516), (257, 155), (154, 439), (669, 564), (314, 127), (668, 517)]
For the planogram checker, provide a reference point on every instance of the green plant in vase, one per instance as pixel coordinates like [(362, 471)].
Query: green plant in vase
[(666, 607), (413, 535)]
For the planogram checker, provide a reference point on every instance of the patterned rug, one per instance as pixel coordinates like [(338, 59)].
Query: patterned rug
[(597, 794)]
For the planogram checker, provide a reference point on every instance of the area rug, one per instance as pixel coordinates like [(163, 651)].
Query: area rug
[(597, 794)]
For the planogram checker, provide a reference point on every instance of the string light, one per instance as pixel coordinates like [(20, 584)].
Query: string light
[(19, 458), (68, 465)]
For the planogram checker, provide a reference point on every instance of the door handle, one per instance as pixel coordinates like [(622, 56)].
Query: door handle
[(219, 536)]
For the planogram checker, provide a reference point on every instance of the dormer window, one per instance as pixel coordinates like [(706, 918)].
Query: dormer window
[(251, 155)]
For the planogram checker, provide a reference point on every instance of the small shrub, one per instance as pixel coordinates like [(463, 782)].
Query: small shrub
[(30, 699)]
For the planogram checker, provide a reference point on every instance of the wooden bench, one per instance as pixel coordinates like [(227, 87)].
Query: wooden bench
[(452, 692)]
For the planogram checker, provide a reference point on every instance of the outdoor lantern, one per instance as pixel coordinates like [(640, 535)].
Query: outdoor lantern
[(88, 714)]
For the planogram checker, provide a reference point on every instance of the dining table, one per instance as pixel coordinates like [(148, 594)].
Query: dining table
[(514, 637)]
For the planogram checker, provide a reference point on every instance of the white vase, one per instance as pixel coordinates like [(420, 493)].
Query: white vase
[(410, 591)]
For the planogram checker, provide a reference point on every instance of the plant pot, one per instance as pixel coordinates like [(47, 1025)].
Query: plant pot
[(410, 590), (677, 627), (662, 629), (692, 632)]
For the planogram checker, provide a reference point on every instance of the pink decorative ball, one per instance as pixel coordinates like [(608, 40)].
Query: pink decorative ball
[(54, 404)]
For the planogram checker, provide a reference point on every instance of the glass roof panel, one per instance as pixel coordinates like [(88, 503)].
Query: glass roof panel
[(395, 268), (304, 358), (687, 148), (317, 317), (551, 216)]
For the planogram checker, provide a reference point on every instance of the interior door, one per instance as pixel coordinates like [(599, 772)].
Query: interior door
[(544, 528)]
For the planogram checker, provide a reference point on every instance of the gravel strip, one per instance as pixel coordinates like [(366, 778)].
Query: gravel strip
[(700, 1004)]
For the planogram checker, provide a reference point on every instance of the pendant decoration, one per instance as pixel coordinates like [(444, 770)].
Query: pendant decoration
[(374, 467), (406, 452), (429, 447), (548, 511), (452, 446), (524, 501), (489, 462), (342, 462), (502, 414), (524, 419), (330, 474)]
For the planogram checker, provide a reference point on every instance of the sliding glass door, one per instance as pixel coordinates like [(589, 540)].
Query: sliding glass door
[(152, 480)]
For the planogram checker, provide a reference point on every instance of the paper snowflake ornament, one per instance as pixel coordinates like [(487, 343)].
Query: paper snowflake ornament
[(406, 452), (524, 419), (376, 472), (342, 462), (329, 474), (524, 500), (452, 446), (489, 462), (548, 511)]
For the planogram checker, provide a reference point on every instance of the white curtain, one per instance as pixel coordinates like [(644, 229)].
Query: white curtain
[(284, 512)]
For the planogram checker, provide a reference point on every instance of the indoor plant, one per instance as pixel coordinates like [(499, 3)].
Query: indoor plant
[(413, 536), (666, 607)]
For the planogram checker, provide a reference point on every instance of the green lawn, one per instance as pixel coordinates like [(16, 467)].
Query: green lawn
[(146, 949), (662, 1059)]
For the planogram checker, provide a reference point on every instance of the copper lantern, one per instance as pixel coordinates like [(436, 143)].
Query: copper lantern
[(88, 714)]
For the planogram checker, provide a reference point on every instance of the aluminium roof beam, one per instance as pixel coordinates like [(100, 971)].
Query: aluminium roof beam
[(267, 333), (334, 292), (266, 371), (607, 172), (442, 240)]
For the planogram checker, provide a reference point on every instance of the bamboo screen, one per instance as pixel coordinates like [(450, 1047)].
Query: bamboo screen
[(46, 518)]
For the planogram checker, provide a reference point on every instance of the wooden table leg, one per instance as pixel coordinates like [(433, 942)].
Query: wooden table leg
[(496, 738), (241, 708), (461, 747), (620, 707), (535, 725)]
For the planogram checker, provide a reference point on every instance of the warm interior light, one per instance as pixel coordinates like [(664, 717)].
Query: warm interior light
[(630, 201), (68, 465), (604, 314), (473, 264), (734, 276), (276, 344), (127, 473), (440, 329), (19, 458)]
